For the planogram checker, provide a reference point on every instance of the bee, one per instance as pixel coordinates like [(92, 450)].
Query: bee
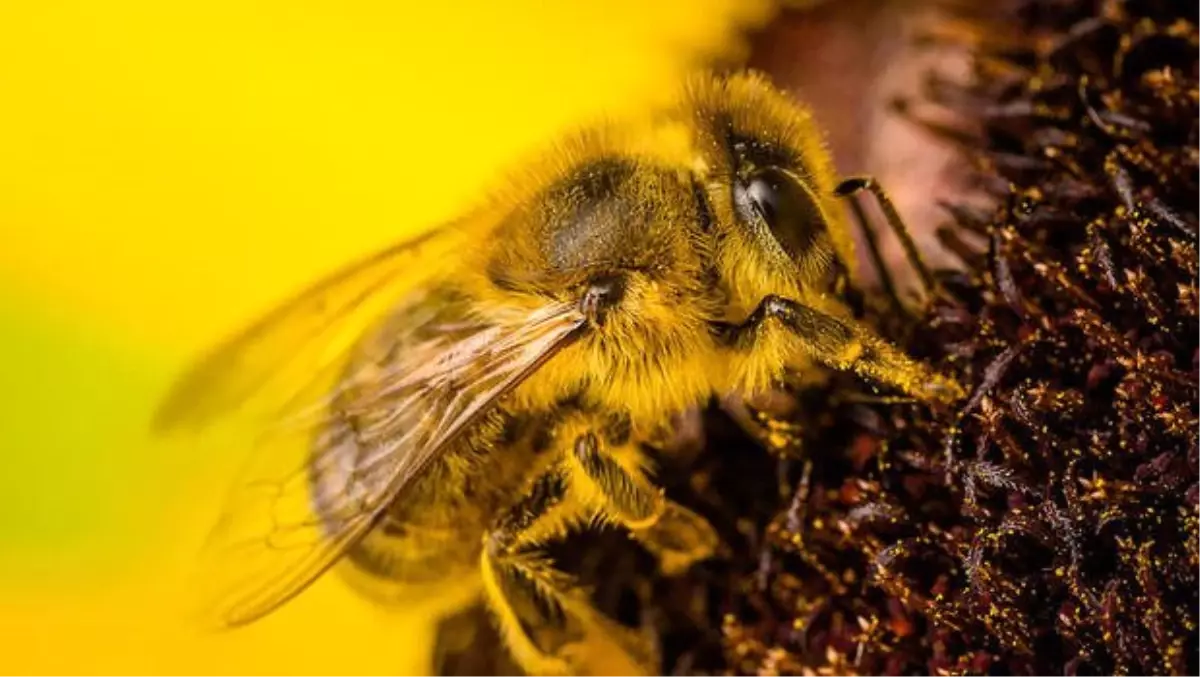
[(432, 415)]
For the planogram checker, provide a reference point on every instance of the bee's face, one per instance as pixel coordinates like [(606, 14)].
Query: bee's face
[(771, 186)]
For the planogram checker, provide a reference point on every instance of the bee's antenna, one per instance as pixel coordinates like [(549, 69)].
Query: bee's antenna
[(853, 185), (872, 240)]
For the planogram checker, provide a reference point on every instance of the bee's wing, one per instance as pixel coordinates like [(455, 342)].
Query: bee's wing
[(279, 531), (302, 345)]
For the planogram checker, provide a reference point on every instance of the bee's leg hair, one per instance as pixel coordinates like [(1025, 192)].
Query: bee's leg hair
[(520, 588), (848, 189), (620, 492), (545, 620), (843, 345)]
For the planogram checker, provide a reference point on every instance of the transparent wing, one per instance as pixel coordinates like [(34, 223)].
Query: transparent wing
[(294, 514), (320, 389), (303, 344)]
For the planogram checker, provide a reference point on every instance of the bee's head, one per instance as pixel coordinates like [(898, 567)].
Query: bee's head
[(770, 183)]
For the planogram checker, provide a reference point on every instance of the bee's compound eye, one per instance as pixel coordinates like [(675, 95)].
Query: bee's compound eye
[(762, 194), (778, 199)]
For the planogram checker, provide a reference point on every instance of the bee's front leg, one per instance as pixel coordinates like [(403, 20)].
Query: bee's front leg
[(611, 479), (843, 345)]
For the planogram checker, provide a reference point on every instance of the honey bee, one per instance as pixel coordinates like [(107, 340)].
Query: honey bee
[(432, 415)]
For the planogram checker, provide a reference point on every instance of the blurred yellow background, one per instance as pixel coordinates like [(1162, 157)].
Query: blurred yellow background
[(168, 170)]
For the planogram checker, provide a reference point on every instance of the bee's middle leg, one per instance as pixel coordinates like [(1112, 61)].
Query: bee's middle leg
[(611, 479)]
